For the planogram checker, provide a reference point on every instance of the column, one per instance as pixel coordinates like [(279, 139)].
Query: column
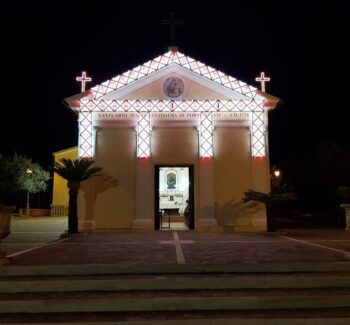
[(144, 194), (260, 159), (206, 135), (144, 216), (205, 211), (85, 141), (260, 175), (143, 131)]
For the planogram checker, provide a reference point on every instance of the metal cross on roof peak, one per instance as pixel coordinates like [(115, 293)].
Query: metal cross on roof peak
[(262, 79), (83, 79), (172, 22)]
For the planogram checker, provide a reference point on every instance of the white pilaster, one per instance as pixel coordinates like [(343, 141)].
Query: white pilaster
[(85, 140), (206, 135), (144, 194), (206, 216), (143, 135), (258, 136)]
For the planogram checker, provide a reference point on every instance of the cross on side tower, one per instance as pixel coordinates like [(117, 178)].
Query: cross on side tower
[(83, 79), (262, 79), (172, 22)]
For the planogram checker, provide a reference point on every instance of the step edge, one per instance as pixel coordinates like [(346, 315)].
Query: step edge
[(175, 304)]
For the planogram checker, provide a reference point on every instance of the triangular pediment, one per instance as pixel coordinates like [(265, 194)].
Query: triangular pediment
[(173, 82), (197, 76), (147, 81)]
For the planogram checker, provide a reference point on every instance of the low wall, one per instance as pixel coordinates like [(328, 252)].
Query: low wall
[(36, 212), (59, 210)]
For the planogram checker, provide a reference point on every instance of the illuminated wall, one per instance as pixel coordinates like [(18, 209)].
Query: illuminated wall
[(253, 103), (232, 168), (114, 205), (60, 190), (145, 107), (129, 124)]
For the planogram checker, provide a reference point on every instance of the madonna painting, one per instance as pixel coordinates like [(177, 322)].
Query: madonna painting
[(171, 181)]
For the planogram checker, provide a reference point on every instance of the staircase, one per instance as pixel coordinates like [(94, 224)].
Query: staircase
[(261, 293)]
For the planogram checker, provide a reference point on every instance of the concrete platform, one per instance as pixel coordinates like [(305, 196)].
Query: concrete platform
[(181, 278), (189, 247)]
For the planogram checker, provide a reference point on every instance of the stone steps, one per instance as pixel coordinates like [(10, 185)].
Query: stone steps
[(96, 294), (159, 294), (164, 283), (337, 317), (179, 304), (94, 270)]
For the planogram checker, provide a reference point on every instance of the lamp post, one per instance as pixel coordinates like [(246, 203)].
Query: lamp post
[(29, 172), (276, 181)]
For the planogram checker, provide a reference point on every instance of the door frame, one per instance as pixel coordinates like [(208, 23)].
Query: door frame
[(190, 192)]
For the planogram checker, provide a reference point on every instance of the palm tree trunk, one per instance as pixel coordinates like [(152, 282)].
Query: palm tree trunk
[(270, 217), (73, 211)]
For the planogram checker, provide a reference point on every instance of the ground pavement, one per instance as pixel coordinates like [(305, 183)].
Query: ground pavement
[(174, 277), (33, 240), (32, 232)]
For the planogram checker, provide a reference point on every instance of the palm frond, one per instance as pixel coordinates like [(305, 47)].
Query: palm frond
[(77, 170)]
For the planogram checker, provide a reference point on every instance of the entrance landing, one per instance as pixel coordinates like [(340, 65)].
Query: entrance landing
[(192, 248)]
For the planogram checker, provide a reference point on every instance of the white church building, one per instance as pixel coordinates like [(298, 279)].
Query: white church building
[(179, 142)]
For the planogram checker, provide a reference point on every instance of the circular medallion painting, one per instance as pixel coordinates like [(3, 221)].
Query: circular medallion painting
[(173, 87)]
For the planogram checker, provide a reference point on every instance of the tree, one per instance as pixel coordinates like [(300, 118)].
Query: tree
[(14, 176), (271, 200), (328, 169), (75, 172), (34, 181), (344, 193), (8, 183), (32, 178)]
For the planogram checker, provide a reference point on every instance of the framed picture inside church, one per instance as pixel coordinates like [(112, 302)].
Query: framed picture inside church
[(171, 181)]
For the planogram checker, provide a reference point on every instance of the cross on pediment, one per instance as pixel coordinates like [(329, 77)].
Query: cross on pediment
[(262, 79), (83, 79), (172, 22)]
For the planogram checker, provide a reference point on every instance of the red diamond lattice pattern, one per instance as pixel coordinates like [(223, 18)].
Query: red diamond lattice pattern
[(177, 58), (144, 107), (143, 135), (206, 135), (85, 135)]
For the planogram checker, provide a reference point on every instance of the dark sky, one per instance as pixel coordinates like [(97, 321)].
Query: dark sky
[(301, 45)]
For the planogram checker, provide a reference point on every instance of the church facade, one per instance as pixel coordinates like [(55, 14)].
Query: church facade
[(179, 142)]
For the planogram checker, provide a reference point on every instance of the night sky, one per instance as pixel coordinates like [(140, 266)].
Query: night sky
[(301, 46)]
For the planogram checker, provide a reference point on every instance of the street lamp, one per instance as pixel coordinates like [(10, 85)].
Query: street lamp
[(29, 172), (277, 173)]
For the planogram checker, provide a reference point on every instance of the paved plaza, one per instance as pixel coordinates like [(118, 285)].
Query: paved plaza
[(32, 232), (293, 276), (36, 241)]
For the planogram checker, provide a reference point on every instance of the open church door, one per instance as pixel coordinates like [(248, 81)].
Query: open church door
[(174, 197), (191, 221)]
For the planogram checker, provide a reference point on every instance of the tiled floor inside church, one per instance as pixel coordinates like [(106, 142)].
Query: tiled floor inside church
[(173, 221)]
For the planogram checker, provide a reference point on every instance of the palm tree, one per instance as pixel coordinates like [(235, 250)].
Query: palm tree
[(75, 172)]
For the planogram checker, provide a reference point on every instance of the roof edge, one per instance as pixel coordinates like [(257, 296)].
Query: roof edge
[(271, 101), (64, 150), (74, 101)]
